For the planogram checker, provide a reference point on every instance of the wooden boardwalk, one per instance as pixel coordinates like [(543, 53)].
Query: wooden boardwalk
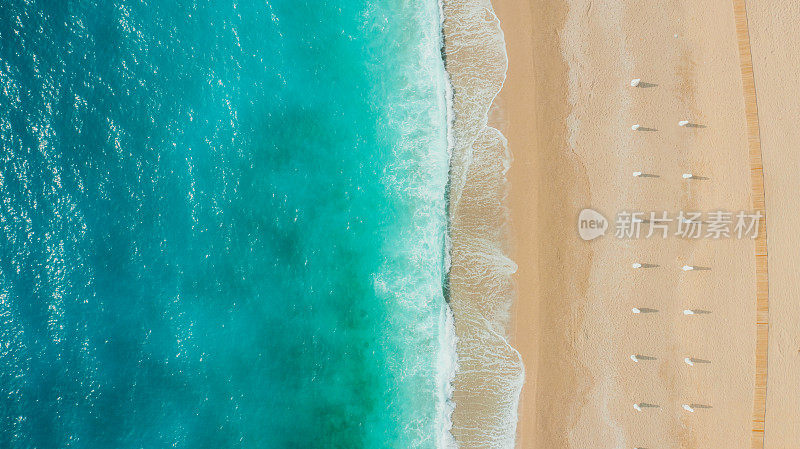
[(757, 184)]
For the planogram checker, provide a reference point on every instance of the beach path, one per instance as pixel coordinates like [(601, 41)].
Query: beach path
[(775, 48)]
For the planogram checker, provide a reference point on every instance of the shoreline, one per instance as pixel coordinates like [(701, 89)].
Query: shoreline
[(489, 375), (566, 108)]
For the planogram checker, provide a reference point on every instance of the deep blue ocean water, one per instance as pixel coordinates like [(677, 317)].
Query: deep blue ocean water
[(223, 224)]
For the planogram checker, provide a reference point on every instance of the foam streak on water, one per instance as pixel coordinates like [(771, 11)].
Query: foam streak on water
[(490, 371)]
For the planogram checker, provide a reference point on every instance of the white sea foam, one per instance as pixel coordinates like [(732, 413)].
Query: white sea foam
[(489, 373), (448, 359), (422, 157)]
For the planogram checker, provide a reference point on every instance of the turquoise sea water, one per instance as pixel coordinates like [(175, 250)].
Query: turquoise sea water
[(223, 224)]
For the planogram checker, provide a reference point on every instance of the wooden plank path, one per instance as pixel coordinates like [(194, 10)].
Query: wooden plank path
[(757, 185)]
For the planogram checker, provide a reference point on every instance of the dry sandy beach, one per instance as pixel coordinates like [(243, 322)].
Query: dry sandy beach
[(566, 109)]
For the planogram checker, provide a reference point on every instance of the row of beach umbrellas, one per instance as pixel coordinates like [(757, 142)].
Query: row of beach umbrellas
[(639, 358)]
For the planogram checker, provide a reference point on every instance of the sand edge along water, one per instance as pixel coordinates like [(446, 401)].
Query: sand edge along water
[(698, 74), (490, 372)]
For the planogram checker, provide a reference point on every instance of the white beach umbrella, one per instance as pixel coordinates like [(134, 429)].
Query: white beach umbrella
[(635, 82), (687, 268), (688, 176), (688, 408), (688, 312), (635, 127), (636, 310), (683, 122), (636, 265), (688, 361)]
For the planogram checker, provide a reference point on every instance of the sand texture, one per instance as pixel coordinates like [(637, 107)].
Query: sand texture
[(567, 110)]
